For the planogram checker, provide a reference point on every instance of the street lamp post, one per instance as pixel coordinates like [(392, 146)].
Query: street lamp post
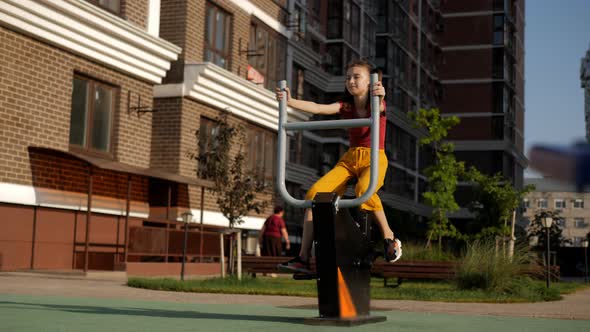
[(585, 246), (186, 218), (547, 221)]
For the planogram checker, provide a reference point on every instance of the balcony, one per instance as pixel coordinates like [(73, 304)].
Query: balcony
[(93, 33)]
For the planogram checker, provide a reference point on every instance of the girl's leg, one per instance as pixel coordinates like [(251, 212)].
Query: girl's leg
[(383, 224), (307, 239), (373, 204), (333, 181), (392, 248)]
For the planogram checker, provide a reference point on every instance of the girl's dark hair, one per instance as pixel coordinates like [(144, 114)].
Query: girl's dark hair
[(348, 98), (278, 209)]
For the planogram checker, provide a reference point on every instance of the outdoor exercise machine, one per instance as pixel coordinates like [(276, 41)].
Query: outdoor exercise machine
[(342, 252)]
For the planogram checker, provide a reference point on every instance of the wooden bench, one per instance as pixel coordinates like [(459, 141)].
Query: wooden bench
[(414, 270), (425, 270), (261, 264), (266, 264), (401, 269)]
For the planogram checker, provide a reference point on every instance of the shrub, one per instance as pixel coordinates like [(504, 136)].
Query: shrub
[(486, 267)]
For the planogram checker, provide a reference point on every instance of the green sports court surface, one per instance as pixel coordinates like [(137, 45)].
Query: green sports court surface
[(51, 313)]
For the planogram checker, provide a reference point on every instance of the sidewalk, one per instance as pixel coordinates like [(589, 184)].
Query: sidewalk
[(112, 286)]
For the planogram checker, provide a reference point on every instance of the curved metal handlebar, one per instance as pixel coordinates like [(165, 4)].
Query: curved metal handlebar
[(330, 124)]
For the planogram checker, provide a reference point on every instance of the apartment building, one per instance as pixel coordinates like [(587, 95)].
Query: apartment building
[(483, 84), (585, 84), (556, 196)]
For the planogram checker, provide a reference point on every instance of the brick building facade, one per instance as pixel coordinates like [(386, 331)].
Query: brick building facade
[(105, 97), (87, 121)]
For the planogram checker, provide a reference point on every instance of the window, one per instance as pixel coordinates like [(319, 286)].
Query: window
[(310, 151), (542, 203), (298, 20), (217, 38), (335, 19), (113, 6), (297, 81), (560, 204), (92, 115), (382, 15), (294, 144), (525, 204), (208, 131), (577, 241), (270, 56), (560, 222), (381, 54), (339, 54), (498, 29), (579, 204), (261, 157), (498, 67), (579, 223)]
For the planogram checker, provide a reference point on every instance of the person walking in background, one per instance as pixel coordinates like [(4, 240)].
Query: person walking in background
[(270, 235)]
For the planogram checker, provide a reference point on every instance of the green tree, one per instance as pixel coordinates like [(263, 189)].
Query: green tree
[(494, 205), (537, 230), (442, 175), (235, 187)]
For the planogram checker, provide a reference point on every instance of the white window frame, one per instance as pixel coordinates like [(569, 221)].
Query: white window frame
[(542, 201), (579, 223), (579, 202), (559, 200)]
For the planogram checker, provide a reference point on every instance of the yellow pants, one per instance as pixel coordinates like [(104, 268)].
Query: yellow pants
[(354, 163)]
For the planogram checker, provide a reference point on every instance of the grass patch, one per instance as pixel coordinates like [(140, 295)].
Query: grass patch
[(520, 290)]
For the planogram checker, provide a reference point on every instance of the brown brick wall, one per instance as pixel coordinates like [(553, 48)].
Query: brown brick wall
[(472, 129), (64, 173), (457, 6), (183, 23), (35, 105), (470, 64), (467, 98), (136, 12), (165, 150), (175, 126), (474, 30), (276, 9)]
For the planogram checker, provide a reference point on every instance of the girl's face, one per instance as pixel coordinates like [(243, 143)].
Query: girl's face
[(358, 80)]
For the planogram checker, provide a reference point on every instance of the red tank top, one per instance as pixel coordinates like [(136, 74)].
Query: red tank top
[(361, 136)]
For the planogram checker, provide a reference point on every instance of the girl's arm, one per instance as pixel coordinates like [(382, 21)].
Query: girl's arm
[(308, 106)]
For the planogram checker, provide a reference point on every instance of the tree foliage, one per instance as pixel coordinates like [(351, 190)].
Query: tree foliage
[(494, 201), (443, 175), (537, 230), (235, 186)]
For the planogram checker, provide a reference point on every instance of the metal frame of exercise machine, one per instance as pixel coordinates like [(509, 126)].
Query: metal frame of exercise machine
[(343, 256)]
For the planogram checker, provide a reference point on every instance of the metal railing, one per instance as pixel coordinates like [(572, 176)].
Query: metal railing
[(373, 123)]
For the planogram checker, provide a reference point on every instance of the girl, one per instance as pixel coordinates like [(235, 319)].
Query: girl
[(354, 163)]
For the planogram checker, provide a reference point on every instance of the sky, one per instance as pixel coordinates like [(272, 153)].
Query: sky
[(557, 36)]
